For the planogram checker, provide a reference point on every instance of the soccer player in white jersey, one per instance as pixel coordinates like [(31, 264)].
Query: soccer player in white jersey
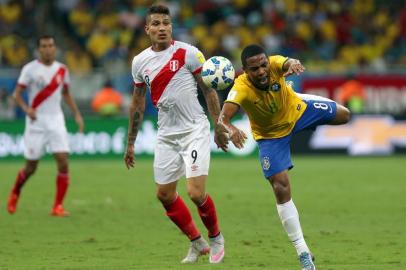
[(47, 81), (171, 71)]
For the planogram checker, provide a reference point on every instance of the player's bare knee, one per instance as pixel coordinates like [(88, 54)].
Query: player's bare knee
[(30, 170), (343, 116), (347, 115), (281, 187), (197, 196), (63, 168), (166, 197)]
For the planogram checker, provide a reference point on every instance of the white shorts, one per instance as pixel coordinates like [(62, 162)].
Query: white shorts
[(46, 133), (185, 154)]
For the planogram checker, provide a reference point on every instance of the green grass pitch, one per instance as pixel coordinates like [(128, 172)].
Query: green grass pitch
[(353, 214)]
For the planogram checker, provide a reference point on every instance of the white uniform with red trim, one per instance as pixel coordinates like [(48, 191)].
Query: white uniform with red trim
[(183, 139), (45, 84)]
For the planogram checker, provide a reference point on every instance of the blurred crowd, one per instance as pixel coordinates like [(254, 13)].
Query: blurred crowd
[(332, 36)]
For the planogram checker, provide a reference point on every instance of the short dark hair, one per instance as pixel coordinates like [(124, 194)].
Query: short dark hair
[(158, 9), (44, 37), (250, 51)]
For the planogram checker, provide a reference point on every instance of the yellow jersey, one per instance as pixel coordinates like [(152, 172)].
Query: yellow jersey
[(272, 113)]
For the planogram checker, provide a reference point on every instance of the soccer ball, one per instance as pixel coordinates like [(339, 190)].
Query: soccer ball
[(218, 72)]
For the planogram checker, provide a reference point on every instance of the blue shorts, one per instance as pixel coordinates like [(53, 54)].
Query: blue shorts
[(274, 154)]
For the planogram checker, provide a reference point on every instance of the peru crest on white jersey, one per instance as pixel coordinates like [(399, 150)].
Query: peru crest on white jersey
[(45, 84), (168, 74)]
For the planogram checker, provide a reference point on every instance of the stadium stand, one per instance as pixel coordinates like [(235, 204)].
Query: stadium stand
[(101, 37)]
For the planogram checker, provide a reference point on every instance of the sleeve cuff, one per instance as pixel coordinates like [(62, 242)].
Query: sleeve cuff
[(197, 70), (141, 84)]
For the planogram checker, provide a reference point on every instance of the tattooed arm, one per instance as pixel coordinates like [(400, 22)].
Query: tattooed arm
[(213, 105), (136, 114)]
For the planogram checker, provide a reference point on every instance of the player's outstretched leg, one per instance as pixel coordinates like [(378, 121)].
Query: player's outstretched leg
[(15, 192), (207, 212), (198, 247), (62, 183)]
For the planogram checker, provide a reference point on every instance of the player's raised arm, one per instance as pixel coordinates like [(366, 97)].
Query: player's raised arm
[(292, 66), (213, 105), (17, 95), (136, 114), (74, 108), (236, 135)]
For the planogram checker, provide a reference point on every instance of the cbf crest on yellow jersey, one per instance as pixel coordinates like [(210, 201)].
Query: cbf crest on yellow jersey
[(272, 113)]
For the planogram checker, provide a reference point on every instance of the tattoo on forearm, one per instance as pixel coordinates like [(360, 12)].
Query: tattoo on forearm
[(213, 105), (133, 131), (140, 92)]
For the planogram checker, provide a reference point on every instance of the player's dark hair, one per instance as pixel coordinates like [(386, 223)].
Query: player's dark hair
[(158, 9), (250, 51), (44, 37)]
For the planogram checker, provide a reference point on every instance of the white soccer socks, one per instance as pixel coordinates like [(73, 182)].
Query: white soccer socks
[(290, 221)]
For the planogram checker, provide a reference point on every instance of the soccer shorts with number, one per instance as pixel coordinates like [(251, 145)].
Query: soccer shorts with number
[(182, 155), (274, 154)]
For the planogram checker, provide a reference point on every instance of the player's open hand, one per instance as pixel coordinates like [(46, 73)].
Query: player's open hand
[(129, 158), (237, 136), (221, 136), (295, 67)]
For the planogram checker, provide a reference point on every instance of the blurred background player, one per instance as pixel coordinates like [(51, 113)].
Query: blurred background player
[(275, 113), (108, 101), (170, 70), (352, 94), (47, 81)]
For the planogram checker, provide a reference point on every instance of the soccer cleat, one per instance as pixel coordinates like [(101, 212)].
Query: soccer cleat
[(306, 260), (216, 249), (58, 211), (12, 202), (197, 248)]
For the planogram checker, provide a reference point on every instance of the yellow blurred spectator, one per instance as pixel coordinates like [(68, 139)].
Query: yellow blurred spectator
[(125, 36), (14, 50), (99, 43), (328, 30), (82, 19), (200, 32), (304, 30), (10, 12), (240, 4), (108, 20), (246, 35), (78, 60)]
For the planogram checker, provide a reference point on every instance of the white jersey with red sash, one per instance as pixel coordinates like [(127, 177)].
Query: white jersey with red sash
[(168, 75), (45, 84)]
